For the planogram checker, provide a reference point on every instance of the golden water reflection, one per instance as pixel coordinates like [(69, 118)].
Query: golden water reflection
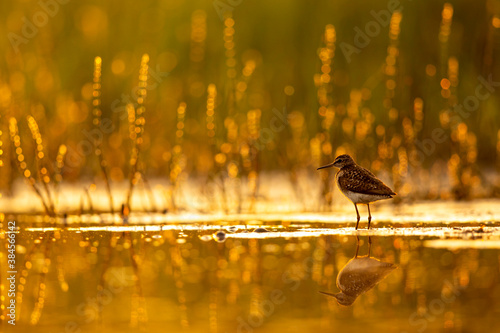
[(359, 275), (257, 278)]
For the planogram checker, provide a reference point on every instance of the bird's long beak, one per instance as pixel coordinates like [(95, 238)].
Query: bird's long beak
[(327, 293), (326, 166)]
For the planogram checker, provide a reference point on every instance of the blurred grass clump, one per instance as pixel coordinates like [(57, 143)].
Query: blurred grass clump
[(233, 90)]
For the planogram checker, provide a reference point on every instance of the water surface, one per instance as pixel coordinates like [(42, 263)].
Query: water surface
[(256, 277)]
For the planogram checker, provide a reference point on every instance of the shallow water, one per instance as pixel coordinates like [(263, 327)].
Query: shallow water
[(255, 278)]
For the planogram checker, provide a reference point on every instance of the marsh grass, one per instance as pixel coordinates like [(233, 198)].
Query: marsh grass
[(211, 126), (61, 153), (97, 120), (326, 110), (137, 127), (178, 157), (22, 165), (41, 166)]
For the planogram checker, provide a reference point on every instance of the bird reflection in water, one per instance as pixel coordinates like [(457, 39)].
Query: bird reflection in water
[(359, 275)]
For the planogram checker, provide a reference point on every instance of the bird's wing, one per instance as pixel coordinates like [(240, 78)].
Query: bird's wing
[(367, 171), (360, 180)]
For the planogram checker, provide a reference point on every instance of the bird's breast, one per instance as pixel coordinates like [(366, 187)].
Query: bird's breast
[(350, 195), (339, 174)]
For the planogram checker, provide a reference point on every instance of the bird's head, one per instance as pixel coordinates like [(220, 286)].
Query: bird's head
[(342, 299), (340, 162)]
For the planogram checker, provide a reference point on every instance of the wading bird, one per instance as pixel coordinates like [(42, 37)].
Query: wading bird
[(358, 184)]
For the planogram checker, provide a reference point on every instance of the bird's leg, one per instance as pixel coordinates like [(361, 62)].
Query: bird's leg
[(357, 246), (357, 213), (369, 245), (369, 216)]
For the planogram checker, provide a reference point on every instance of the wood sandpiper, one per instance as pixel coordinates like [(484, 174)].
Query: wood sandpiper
[(358, 184)]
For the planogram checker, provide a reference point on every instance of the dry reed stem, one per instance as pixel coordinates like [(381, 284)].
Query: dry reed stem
[(139, 126), (97, 113), (43, 173), (21, 163)]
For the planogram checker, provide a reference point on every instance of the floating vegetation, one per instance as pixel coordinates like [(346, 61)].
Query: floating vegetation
[(220, 236)]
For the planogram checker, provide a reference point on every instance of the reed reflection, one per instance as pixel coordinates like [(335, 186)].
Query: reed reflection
[(359, 275)]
